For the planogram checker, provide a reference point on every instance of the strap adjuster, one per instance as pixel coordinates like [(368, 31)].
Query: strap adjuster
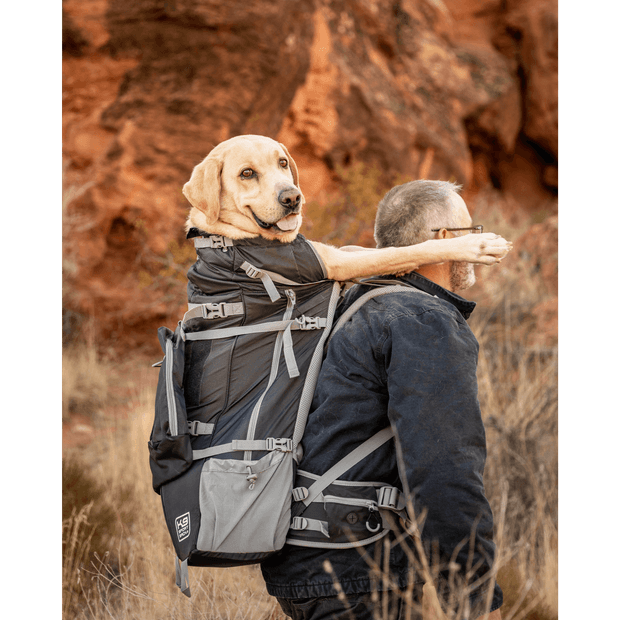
[(282, 444), (253, 272), (196, 427), (299, 523), (300, 493), (387, 497)]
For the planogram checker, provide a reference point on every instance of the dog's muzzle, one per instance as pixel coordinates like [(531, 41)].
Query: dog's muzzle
[(290, 198)]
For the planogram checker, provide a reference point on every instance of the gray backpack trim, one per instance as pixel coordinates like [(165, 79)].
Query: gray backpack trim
[(172, 405)]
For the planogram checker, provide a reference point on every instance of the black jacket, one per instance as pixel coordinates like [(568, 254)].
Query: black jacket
[(408, 360)]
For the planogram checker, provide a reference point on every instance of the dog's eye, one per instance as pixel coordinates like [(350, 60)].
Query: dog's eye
[(247, 173), (283, 163)]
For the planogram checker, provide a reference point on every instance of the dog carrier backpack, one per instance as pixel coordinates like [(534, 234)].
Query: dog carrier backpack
[(234, 391)]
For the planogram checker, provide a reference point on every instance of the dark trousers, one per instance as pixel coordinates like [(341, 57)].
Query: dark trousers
[(357, 607)]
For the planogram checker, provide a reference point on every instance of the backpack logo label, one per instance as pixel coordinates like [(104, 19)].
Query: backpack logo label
[(183, 526)]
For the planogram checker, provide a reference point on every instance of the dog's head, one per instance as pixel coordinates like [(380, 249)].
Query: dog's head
[(246, 186)]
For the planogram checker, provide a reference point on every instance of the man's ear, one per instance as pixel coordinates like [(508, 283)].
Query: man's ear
[(204, 187), (292, 164)]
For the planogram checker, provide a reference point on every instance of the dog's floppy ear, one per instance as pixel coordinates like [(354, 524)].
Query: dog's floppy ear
[(204, 187), (292, 164)]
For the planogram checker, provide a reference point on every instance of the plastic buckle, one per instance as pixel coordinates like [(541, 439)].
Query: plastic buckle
[(217, 242), (299, 523), (282, 444), (193, 427), (213, 311), (300, 493), (308, 322), (387, 497), (253, 272)]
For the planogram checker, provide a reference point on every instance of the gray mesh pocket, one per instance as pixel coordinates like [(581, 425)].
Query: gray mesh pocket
[(245, 506)]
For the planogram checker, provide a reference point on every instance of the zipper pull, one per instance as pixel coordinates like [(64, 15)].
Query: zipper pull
[(373, 523), (251, 477), (292, 299)]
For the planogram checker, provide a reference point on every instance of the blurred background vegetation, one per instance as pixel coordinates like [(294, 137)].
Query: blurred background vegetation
[(365, 94)]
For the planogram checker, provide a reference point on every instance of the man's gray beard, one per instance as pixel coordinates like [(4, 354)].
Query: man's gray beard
[(462, 276)]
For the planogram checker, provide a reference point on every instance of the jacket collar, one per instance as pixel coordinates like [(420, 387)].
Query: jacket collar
[(464, 306)]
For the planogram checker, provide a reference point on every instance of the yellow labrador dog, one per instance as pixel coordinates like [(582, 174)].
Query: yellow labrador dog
[(248, 186)]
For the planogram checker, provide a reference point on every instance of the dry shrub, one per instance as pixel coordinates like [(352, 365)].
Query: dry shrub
[(85, 381)]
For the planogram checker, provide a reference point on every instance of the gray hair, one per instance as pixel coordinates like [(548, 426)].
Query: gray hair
[(407, 212)]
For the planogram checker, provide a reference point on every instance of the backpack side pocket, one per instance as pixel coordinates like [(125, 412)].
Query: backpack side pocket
[(245, 506), (169, 445)]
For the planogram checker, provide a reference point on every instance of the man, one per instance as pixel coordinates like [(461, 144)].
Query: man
[(405, 359)]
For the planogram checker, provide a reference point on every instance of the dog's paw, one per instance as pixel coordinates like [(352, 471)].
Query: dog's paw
[(484, 249)]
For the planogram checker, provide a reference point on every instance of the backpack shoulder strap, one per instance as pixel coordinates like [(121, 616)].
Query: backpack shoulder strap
[(381, 289)]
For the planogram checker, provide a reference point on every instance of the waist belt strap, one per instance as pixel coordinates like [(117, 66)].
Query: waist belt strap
[(354, 457)]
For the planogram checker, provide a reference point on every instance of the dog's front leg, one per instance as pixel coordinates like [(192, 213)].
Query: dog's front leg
[(355, 262)]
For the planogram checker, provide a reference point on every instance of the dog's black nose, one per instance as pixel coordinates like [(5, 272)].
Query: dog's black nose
[(289, 198)]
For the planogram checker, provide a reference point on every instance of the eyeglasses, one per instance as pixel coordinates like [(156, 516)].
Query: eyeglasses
[(476, 230)]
